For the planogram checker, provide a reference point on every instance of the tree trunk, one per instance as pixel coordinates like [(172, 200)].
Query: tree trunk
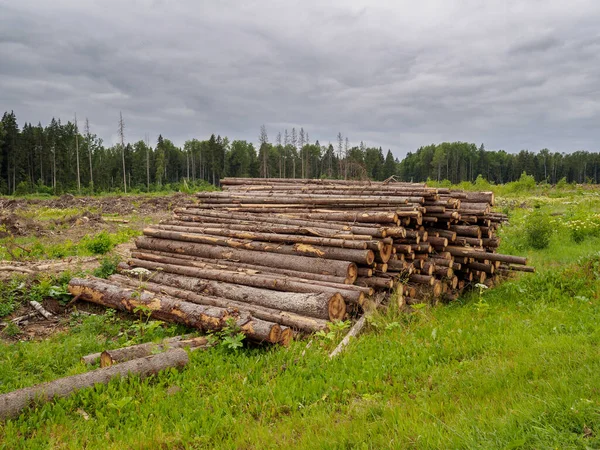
[(268, 237), (192, 261), (93, 358), (273, 282), (12, 403), (181, 287), (193, 289), (291, 262), (341, 254), (120, 355), (167, 308)]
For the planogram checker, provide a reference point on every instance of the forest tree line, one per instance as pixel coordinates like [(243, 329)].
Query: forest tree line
[(67, 157)]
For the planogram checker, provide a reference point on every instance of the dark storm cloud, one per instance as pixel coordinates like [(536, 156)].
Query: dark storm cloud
[(397, 74)]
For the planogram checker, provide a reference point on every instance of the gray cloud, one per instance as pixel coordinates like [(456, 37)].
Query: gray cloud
[(398, 74)]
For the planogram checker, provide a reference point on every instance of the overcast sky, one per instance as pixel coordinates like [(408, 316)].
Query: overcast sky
[(398, 74)]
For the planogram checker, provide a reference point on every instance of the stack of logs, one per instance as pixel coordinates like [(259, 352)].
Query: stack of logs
[(278, 256)]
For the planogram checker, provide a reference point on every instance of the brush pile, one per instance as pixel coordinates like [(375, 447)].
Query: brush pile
[(277, 256)]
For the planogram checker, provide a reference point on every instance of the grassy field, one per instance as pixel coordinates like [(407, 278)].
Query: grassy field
[(516, 366)]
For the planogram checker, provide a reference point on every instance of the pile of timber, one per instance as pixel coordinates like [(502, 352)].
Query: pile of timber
[(286, 255)]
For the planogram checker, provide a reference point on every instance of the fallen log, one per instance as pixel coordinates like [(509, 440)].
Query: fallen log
[(93, 358), (296, 321), (166, 308), (12, 403), (120, 355)]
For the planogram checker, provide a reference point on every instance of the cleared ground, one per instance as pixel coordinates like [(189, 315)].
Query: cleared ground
[(516, 366)]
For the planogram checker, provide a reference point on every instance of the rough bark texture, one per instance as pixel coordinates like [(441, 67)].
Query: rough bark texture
[(165, 308), (179, 287), (300, 263), (119, 355), (12, 403), (256, 280)]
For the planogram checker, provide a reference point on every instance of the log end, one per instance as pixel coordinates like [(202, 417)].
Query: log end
[(336, 307), (287, 336)]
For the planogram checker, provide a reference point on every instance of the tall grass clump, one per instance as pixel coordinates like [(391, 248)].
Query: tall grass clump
[(538, 230)]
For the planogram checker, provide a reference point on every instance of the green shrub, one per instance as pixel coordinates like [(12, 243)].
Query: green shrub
[(108, 266), (538, 230), (100, 244)]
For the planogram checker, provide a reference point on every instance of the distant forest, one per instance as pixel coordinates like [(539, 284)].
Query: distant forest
[(63, 157)]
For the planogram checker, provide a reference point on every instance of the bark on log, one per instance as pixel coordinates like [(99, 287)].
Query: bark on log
[(182, 288), (205, 263), (340, 254), (232, 217), (269, 237), (12, 403), (93, 358), (292, 262), (120, 355), (319, 305), (348, 292), (169, 309)]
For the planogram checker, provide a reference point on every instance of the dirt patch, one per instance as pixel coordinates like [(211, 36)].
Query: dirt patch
[(143, 204), (15, 225)]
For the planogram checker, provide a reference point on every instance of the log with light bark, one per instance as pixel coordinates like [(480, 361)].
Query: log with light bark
[(205, 263), (293, 262), (12, 403), (340, 254), (169, 309), (239, 225), (376, 282), (268, 237), (350, 293), (120, 355), (203, 215), (318, 305), (285, 318), (93, 358)]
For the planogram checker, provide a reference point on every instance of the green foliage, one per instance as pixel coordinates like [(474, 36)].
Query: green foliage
[(108, 266), (538, 230), (229, 337), (99, 244)]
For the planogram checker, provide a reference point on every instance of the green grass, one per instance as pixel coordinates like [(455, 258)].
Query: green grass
[(517, 367), (39, 248)]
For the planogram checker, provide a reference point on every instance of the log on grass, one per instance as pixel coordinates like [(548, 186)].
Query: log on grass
[(120, 355), (169, 309), (296, 321), (12, 403), (322, 305), (93, 358), (293, 262)]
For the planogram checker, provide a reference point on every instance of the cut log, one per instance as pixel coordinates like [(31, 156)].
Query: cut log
[(12, 403), (340, 254), (293, 262), (166, 308), (93, 358), (287, 284), (120, 355), (267, 237), (205, 263)]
